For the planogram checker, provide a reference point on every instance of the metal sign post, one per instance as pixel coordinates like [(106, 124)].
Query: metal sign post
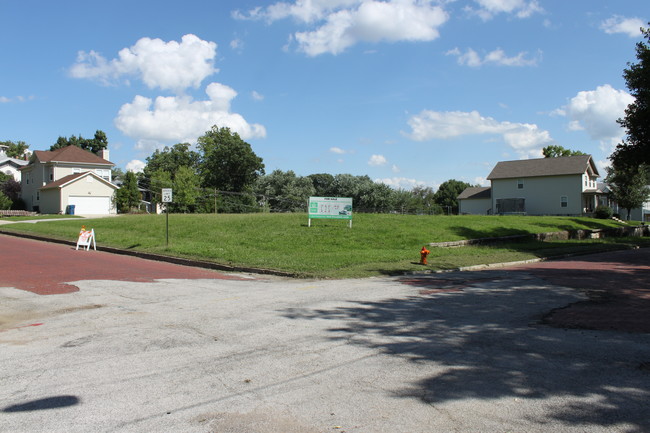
[(167, 198)]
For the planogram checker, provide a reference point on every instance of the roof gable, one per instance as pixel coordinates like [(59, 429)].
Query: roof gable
[(71, 154), (565, 165), (475, 192), (71, 178)]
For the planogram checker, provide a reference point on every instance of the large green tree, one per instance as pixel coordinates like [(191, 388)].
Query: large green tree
[(228, 163), (635, 149), (128, 196), (229, 166), (15, 149), (186, 189), (284, 191), (628, 185), (558, 151), (447, 194), (94, 145), (170, 160)]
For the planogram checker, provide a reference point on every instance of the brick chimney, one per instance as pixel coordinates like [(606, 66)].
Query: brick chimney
[(104, 154)]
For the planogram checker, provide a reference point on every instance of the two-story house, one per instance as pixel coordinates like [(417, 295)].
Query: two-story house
[(543, 186), (56, 179)]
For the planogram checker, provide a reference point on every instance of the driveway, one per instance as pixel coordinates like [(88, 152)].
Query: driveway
[(464, 352)]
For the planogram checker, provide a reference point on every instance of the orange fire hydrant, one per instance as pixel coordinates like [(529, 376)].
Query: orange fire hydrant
[(423, 255)]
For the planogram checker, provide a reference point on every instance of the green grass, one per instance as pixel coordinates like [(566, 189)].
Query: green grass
[(376, 244), (37, 217)]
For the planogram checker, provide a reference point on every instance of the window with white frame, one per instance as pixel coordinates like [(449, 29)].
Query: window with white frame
[(520, 184), (564, 201)]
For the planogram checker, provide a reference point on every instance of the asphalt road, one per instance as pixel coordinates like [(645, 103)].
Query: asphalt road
[(458, 352)]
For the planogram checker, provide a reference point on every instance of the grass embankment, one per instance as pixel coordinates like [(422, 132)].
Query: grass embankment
[(376, 244)]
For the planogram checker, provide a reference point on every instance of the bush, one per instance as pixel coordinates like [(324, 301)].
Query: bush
[(5, 202), (603, 212)]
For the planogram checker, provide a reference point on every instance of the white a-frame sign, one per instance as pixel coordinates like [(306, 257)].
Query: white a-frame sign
[(86, 238)]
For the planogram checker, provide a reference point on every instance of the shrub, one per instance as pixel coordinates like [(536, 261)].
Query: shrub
[(603, 212), (5, 202)]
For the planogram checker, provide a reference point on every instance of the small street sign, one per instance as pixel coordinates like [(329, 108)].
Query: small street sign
[(167, 195)]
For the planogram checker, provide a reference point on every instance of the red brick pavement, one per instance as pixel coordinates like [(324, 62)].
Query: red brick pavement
[(48, 268), (617, 283)]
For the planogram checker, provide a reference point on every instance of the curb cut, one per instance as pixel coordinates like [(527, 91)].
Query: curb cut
[(159, 257)]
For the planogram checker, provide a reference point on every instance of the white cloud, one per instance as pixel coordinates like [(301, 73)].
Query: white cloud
[(481, 181), (237, 44), (377, 160), (619, 24), (526, 139), (166, 65), (337, 150), (400, 182), (497, 57), (135, 166), (395, 169), (338, 24), (257, 96), (181, 119), (4, 100), (519, 8), (596, 112)]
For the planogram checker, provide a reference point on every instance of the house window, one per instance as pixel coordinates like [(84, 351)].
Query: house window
[(520, 184), (564, 201), (76, 170), (38, 195)]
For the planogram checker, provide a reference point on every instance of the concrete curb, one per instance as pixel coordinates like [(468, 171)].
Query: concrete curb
[(160, 257)]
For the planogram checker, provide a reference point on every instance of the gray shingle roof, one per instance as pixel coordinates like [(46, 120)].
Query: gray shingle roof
[(564, 165), (475, 192)]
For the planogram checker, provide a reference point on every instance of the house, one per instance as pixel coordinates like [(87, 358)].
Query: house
[(70, 176), (475, 201), (543, 186), (10, 166)]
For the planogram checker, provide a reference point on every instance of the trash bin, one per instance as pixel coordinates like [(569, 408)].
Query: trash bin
[(70, 209)]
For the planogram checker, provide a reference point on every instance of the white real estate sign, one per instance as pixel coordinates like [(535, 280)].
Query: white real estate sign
[(330, 208)]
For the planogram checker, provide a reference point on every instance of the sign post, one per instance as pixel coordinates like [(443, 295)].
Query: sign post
[(167, 198), (330, 208)]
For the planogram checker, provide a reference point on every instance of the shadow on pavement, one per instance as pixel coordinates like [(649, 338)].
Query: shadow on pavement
[(483, 341), (44, 404)]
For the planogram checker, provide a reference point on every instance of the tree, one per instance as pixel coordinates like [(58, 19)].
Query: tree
[(15, 149), (94, 145), (128, 196), (284, 191), (628, 185), (322, 184), (228, 163), (5, 202), (10, 187), (447, 194), (558, 151), (635, 149), (170, 159), (186, 189)]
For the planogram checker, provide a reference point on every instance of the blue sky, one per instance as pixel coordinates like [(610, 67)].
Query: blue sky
[(409, 92)]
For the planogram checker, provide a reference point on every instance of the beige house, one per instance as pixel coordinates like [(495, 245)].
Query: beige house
[(544, 186), (70, 176), (475, 200)]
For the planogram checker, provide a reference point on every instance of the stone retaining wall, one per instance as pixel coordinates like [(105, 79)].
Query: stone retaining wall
[(637, 231)]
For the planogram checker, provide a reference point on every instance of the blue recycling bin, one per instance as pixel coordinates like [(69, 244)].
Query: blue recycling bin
[(70, 209)]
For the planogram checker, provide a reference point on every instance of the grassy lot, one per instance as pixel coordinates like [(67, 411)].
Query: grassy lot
[(37, 217), (376, 244)]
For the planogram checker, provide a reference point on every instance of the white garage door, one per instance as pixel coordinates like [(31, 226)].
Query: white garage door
[(90, 205)]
